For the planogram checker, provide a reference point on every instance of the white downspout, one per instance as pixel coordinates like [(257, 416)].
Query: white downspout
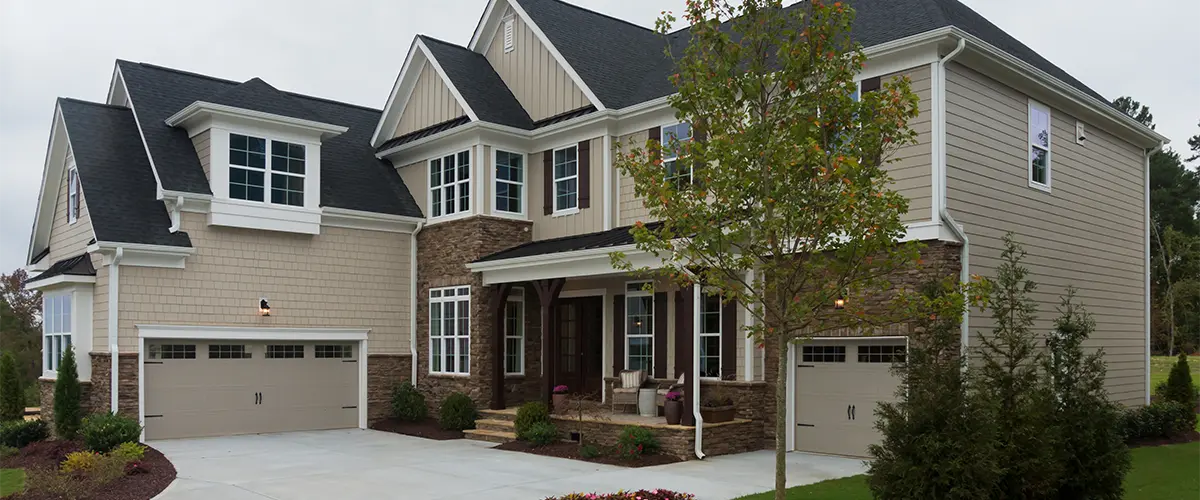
[(940, 158), (1149, 153), (748, 346), (114, 278), (175, 214), (412, 310), (964, 273), (696, 370)]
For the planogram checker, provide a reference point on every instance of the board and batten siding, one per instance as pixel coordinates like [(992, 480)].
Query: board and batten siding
[(431, 103), (587, 220), (341, 278), (910, 166), (1089, 232), (68, 240), (203, 143), (536, 79)]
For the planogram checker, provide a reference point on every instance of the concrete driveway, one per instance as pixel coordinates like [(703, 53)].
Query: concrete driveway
[(349, 464)]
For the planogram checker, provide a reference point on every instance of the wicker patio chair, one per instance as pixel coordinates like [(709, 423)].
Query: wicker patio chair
[(627, 392)]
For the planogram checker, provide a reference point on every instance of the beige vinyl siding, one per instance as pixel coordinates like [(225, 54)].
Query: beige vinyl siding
[(588, 220), (203, 143), (68, 240), (341, 278), (630, 206), (431, 103), (416, 178), (1088, 232), (535, 78)]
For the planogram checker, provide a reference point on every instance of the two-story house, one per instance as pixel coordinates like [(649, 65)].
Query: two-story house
[(230, 258)]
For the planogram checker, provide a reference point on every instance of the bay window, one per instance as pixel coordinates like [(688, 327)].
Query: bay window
[(56, 330), (639, 328), (450, 184), (510, 182), (450, 330)]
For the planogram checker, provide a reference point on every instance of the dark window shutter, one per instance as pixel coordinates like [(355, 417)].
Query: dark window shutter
[(729, 337), (656, 136), (585, 174), (683, 332), (870, 85), (660, 335), (618, 335), (548, 181)]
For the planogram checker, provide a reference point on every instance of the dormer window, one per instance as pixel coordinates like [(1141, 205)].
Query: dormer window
[(248, 178), (450, 184)]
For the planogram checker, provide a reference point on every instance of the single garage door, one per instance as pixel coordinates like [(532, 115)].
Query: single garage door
[(838, 385), (216, 388)]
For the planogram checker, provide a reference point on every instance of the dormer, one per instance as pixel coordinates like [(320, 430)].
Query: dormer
[(262, 155)]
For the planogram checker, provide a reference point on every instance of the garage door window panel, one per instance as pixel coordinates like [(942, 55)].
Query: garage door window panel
[(288, 351), (881, 354), (228, 351), (823, 354), (172, 351), (333, 351)]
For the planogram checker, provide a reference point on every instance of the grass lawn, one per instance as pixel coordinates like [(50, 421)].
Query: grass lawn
[(1158, 472), (11, 481), (1160, 367)]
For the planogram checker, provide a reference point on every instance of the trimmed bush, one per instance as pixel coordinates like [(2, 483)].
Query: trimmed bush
[(1179, 386), (458, 412), (8, 451), (633, 442), (589, 451), (529, 414), (105, 431), (128, 451), (20, 433), (407, 404), (1159, 420), (80, 461), (541, 433), (67, 393), (11, 406)]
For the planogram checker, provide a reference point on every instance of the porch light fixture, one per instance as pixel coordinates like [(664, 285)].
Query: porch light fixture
[(840, 302), (264, 309)]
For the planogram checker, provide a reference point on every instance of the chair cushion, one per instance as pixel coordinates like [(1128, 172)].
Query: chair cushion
[(626, 390), (680, 381), (631, 379)]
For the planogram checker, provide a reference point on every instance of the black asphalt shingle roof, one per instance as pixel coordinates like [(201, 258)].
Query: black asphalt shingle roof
[(479, 84), (118, 185), (257, 95), (603, 239), (79, 265), (351, 176)]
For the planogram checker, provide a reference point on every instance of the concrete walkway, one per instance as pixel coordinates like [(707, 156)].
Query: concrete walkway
[(349, 464)]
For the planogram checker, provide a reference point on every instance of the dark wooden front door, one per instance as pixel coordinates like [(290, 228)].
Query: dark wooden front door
[(579, 345)]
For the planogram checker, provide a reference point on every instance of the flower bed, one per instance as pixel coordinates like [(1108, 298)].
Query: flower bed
[(630, 495), (427, 428), (141, 479), (572, 451)]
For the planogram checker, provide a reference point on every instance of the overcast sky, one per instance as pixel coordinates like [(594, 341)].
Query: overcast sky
[(352, 51)]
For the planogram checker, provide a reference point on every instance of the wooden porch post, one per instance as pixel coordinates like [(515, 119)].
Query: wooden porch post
[(548, 291), (684, 355), (498, 300)]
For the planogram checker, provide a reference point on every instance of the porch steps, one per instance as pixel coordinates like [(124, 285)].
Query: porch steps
[(490, 424), (495, 426), (489, 436)]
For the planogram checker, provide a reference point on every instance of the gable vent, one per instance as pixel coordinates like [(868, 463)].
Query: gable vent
[(508, 35)]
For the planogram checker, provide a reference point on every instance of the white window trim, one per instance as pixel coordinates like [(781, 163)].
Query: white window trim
[(638, 293), (517, 296), (49, 364), (1034, 105), (554, 180), (73, 204), (720, 331), (662, 134), (267, 170), (524, 202), (442, 300), (458, 211)]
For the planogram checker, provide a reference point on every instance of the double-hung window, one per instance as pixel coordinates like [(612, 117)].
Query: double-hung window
[(450, 330), (1039, 146), (510, 182), (566, 178), (248, 166), (56, 329), (710, 336), (72, 195), (639, 328), (678, 170), (514, 333), (450, 184)]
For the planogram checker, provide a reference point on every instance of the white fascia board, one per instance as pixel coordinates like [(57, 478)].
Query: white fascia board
[(249, 333), (192, 202), (562, 61), (117, 93), (390, 117), (195, 115), (61, 280), (356, 219), (446, 79), (269, 217), (48, 196), (142, 255), (141, 135), (487, 24)]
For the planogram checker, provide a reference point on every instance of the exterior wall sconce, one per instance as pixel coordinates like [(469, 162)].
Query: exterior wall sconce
[(264, 309), (840, 302)]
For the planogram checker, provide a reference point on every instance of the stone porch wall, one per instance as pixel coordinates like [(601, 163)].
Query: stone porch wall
[(674, 440)]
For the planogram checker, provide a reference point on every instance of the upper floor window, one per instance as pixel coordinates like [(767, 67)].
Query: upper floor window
[(1039, 146), (566, 178), (248, 179), (72, 195), (510, 182), (673, 137), (450, 184), (56, 330)]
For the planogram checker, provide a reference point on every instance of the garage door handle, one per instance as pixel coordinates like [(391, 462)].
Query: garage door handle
[(847, 412), (853, 413)]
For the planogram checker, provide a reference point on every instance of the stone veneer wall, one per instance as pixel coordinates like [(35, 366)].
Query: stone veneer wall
[(384, 373), (127, 388), (443, 250), (674, 440), (46, 393)]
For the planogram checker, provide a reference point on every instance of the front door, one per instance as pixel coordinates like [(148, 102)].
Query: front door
[(579, 345)]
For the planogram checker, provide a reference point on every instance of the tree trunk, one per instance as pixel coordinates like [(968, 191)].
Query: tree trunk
[(781, 420), (1171, 321)]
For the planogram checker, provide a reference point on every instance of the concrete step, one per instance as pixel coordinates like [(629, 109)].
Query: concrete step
[(505, 415), (489, 424), (490, 436)]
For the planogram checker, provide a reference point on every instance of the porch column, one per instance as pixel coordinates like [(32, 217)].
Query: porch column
[(683, 349), (548, 291), (498, 300)]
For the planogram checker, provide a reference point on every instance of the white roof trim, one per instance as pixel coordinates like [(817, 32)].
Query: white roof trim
[(491, 21), (406, 81), (201, 108), (449, 84), (59, 280), (136, 121), (249, 333)]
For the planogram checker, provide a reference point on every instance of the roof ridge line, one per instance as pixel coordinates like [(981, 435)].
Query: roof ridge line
[(614, 18), (184, 72), (92, 103)]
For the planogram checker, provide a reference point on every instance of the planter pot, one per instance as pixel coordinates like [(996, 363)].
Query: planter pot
[(674, 411), (559, 402), (718, 414)]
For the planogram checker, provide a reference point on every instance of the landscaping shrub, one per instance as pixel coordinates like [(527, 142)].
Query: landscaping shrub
[(407, 404), (589, 451), (67, 393), (8, 451), (628, 495), (11, 406), (633, 442), (1179, 386), (458, 412), (529, 414), (128, 451), (1158, 420), (80, 461), (541, 433), (54, 484), (20, 433), (104, 431)]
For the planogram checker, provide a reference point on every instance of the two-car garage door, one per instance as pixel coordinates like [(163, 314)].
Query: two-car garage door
[(217, 387), (838, 385)]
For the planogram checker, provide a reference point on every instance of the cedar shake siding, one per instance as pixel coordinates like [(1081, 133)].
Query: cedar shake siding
[(68, 240), (431, 103), (203, 143), (535, 78), (1088, 232)]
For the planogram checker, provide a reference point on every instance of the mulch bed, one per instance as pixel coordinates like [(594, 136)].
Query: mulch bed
[(571, 451), (427, 429), (1187, 437), (48, 454)]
